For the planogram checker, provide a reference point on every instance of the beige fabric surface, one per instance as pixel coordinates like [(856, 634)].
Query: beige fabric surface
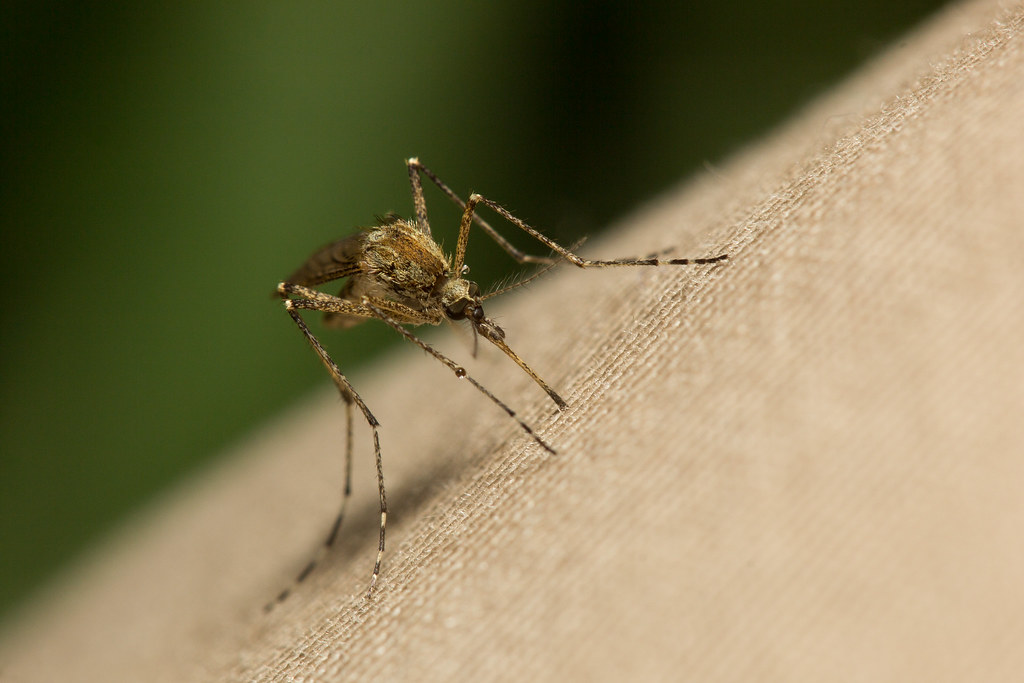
[(804, 464)]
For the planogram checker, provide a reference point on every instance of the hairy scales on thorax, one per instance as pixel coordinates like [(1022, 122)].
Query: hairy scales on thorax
[(414, 269)]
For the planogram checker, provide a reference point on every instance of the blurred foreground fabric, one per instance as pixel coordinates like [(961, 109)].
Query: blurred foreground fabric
[(806, 463)]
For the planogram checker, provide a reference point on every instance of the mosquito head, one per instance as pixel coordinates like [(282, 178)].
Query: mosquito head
[(461, 301)]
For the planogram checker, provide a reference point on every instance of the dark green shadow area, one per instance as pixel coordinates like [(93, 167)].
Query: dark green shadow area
[(164, 166)]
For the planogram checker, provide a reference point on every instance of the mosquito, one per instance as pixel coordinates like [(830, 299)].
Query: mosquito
[(397, 273)]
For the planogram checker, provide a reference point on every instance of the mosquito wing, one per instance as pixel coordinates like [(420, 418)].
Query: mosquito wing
[(331, 262)]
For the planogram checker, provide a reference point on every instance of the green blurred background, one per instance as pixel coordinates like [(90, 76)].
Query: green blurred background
[(163, 167)]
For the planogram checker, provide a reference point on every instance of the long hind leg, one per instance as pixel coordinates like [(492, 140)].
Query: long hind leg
[(350, 396), (332, 535)]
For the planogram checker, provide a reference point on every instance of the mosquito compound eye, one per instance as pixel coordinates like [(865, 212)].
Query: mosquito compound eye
[(457, 311), (477, 313)]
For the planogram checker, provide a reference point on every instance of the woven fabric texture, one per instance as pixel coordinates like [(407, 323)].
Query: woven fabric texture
[(805, 463)]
